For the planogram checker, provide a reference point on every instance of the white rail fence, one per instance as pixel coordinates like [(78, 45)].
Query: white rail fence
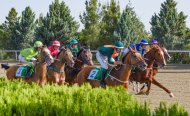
[(16, 52)]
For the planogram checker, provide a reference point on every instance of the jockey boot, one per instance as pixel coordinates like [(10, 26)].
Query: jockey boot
[(28, 73), (104, 72)]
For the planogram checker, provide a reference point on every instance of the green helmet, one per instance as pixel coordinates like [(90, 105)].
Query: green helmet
[(119, 44), (74, 41), (38, 44)]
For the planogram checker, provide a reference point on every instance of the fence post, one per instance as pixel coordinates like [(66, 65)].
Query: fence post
[(16, 55)]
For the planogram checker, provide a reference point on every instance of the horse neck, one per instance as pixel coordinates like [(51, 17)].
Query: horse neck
[(78, 64), (122, 74), (59, 65), (41, 69), (150, 61)]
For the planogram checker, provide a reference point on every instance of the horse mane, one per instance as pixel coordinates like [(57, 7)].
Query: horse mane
[(154, 47), (124, 57), (82, 48)]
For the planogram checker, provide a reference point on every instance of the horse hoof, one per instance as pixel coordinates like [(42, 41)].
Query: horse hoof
[(141, 93), (171, 95)]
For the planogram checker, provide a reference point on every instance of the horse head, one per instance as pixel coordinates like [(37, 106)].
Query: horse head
[(65, 56), (85, 56), (134, 58), (45, 56), (156, 54)]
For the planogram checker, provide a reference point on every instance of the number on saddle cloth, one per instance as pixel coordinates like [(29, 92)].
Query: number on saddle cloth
[(22, 71), (95, 74)]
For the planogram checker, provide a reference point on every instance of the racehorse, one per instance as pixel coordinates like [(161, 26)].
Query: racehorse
[(39, 75), (56, 73), (84, 56), (156, 66), (155, 56), (119, 75)]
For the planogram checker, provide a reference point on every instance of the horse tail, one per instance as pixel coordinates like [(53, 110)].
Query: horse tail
[(5, 66)]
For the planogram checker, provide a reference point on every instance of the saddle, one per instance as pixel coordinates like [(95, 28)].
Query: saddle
[(24, 71)]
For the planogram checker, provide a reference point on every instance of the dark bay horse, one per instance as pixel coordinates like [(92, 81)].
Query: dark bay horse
[(119, 75), (155, 56), (39, 75), (56, 73), (84, 56)]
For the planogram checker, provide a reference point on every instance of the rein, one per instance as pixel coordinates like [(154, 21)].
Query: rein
[(112, 78)]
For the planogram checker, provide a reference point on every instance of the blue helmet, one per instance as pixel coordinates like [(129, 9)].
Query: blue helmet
[(154, 41), (144, 42)]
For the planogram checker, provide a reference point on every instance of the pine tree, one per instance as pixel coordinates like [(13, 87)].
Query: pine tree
[(129, 28), (91, 21), (8, 28), (23, 36), (169, 26), (57, 25), (111, 14)]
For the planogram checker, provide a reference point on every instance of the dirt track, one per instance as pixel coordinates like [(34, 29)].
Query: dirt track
[(174, 77)]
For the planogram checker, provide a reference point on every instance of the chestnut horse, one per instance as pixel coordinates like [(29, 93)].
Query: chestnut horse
[(84, 56), (154, 56), (39, 75), (56, 73), (119, 75), (155, 69), (156, 66)]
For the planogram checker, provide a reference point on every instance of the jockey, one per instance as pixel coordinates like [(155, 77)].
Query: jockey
[(153, 42), (141, 48), (109, 55), (28, 54), (54, 48), (73, 47)]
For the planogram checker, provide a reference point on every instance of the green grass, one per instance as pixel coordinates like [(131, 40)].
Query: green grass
[(18, 98)]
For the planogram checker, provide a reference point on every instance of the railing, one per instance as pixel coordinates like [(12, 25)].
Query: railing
[(93, 51)]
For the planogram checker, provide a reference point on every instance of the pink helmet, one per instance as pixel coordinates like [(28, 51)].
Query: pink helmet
[(56, 43)]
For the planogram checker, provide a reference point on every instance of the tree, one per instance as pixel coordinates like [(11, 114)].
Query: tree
[(57, 25), (169, 26), (23, 36), (7, 29), (129, 28), (111, 14), (91, 21)]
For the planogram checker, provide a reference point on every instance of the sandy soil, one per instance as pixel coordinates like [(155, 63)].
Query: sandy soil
[(175, 77)]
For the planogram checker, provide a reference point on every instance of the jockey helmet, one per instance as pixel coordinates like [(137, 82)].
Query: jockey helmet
[(154, 41), (38, 44), (119, 44), (74, 41), (144, 42), (56, 43)]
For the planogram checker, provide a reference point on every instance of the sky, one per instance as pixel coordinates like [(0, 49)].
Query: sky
[(143, 8)]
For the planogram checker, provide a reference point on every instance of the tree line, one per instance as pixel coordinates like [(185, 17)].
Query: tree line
[(103, 24)]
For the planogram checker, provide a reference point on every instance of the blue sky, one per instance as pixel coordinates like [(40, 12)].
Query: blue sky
[(144, 8)]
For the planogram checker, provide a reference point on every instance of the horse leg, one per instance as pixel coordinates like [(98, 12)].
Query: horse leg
[(144, 84), (161, 86), (138, 87), (148, 89)]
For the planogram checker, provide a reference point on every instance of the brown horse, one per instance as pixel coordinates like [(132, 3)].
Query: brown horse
[(84, 56), (56, 73), (154, 56), (39, 76), (119, 75), (155, 69)]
